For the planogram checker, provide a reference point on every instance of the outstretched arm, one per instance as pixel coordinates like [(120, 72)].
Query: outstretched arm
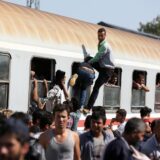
[(145, 88), (35, 95)]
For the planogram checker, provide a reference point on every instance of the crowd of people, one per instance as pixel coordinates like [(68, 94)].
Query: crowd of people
[(47, 136), (49, 130)]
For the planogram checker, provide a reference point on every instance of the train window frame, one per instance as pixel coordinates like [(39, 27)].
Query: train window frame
[(6, 82), (157, 89), (109, 107), (40, 81), (136, 108)]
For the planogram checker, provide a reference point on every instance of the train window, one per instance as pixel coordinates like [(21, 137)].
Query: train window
[(41, 69), (112, 88), (157, 94), (4, 80), (139, 89)]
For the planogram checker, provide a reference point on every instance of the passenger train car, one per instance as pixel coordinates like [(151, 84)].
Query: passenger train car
[(46, 42)]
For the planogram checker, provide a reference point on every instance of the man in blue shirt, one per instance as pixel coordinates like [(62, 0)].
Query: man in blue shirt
[(92, 143)]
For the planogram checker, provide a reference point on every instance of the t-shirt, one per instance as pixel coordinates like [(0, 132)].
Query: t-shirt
[(98, 147), (54, 96)]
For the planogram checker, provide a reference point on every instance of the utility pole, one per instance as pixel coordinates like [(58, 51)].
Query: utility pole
[(33, 4)]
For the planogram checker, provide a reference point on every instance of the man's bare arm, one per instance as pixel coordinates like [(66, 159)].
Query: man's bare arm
[(76, 147)]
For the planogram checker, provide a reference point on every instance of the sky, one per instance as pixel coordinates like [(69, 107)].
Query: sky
[(123, 13)]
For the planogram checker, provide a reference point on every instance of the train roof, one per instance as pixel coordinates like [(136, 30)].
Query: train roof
[(23, 25)]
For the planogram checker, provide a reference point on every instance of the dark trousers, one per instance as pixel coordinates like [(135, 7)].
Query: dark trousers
[(103, 77)]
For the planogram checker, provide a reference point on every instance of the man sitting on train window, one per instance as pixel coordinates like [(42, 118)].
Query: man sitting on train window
[(139, 83), (103, 63)]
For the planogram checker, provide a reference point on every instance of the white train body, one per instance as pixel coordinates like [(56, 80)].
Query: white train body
[(26, 33)]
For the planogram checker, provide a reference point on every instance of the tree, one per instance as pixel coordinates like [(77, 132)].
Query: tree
[(152, 27)]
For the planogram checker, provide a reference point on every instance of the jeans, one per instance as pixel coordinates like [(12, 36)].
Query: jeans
[(85, 79), (103, 77), (75, 116)]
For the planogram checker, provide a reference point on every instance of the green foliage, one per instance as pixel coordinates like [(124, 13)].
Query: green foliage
[(152, 27)]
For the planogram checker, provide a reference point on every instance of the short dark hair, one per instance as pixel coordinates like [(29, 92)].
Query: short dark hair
[(61, 108), (101, 30), (46, 119), (73, 104), (134, 125), (59, 76), (25, 118), (37, 115), (15, 127), (122, 112), (99, 113), (145, 111)]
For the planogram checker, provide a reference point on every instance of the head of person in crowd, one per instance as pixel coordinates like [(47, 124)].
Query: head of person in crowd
[(101, 34), (98, 121), (145, 112), (60, 78), (73, 104), (25, 118), (61, 114), (134, 131), (87, 123), (121, 115), (46, 121), (14, 137), (7, 112), (36, 116)]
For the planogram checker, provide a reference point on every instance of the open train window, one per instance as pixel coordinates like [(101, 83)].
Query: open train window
[(42, 68), (157, 94), (112, 89), (4, 80), (139, 90)]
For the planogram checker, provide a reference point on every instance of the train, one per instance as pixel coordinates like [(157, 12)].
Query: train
[(48, 42)]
